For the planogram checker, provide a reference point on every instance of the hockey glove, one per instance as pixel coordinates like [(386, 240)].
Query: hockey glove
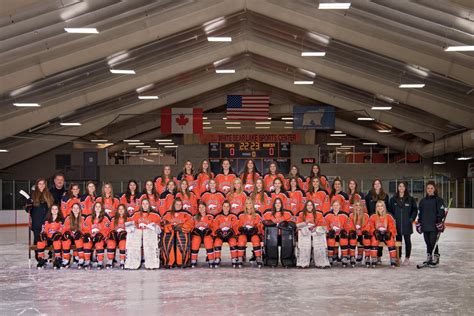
[(269, 223), (440, 227), (66, 236), (418, 228), (77, 235)]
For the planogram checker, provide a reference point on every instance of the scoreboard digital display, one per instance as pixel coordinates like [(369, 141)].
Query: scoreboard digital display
[(261, 152)]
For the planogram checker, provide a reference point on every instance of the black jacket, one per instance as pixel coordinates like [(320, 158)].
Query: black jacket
[(57, 194), (38, 215), (431, 212), (404, 211), (371, 203)]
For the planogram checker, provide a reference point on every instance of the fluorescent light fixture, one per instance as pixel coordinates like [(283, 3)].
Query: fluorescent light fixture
[(439, 162), (99, 140), (164, 144), (365, 119), (463, 158), (384, 130), (171, 146), (303, 82), (204, 117), (219, 62), (123, 71), (287, 119), (3, 150), (385, 98), (289, 123), (133, 152), (321, 38), (81, 30), (288, 127), (206, 123), (219, 39), (214, 24), (334, 144), (412, 86), (144, 88), (370, 144), (70, 124), (26, 104), (163, 140), (263, 123), (269, 118), (232, 123), (117, 57), (461, 48), (338, 132), (381, 108), (313, 54), (338, 135), (348, 146), (225, 71), (133, 144), (207, 127), (233, 127), (334, 6), (224, 118), (131, 140), (148, 97), (421, 71), (307, 72), (143, 146), (262, 127)]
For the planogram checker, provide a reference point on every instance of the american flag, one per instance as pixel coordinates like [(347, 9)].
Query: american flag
[(248, 107)]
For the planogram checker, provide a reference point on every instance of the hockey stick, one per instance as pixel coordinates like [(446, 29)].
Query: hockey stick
[(419, 266), (27, 197)]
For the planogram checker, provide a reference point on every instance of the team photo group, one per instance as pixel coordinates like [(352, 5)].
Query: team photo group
[(288, 220)]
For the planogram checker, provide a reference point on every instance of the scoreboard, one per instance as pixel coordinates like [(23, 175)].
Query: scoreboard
[(239, 152)]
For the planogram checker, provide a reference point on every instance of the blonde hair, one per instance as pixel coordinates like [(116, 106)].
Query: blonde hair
[(359, 215), (384, 215)]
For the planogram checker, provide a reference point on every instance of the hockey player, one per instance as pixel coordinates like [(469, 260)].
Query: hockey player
[(237, 198), (280, 193), (108, 200), (96, 229), (162, 181), (131, 198), (51, 235), (250, 228), (213, 199), (225, 178), (149, 193), (294, 173), (312, 229), (338, 230), (167, 197), (338, 194), (384, 230), (117, 235), (354, 195), (404, 209), (271, 176), (430, 222), (188, 175), (359, 233), (295, 197), (202, 233), (177, 224), (261, 198), (73, 195), (225, 229), (203, 177), (72, 233), (318, 196), (323, 180), (249, 176), (88, 199), (187, 197)]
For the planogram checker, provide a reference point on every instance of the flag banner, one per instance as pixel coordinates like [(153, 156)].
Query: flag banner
[(181, 120), (248, 107), (314, 117)]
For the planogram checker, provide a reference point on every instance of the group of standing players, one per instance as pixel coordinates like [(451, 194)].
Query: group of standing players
[(197, 208)]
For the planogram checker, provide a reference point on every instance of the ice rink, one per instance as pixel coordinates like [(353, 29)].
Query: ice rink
[(406, 290)]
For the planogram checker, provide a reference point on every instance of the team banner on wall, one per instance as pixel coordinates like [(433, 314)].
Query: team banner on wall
[(181, 121), (314, 117)]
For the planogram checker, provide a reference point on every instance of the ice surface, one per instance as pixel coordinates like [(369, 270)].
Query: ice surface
[(406, 290)]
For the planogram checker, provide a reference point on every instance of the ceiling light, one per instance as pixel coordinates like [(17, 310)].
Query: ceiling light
[(321, 38), (219, 39), (232, 123), (365, 119), (148, 97), (204, 117), (439, 162), (144, 88), (307, 72), (26, 104), (133, 144), (131, 140), (206, 123), (334, 144), (370, 144), (171, 146), (224, 118), (384, 130), (464, 158), (163, 144), (133, 152), (287, 119), (348, 146), (233, 127), (3, 150), (411, 86), (303, 82), (117, 57), (313, 54), (462, 48), (225, 71), (338, 135), (123, 71), (207, 127), (99, 140), (143, 146), (269, 118), (288, 127), (213, 24), (421, 71), (338, 132), (334, 6), (262, 127), (219, 62), (381, 108), (385, 98), (163, 140), (263, 123), (70, 124), (289, 123), (81, 30)]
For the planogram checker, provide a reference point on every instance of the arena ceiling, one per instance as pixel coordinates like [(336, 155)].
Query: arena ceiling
[(371, 49)]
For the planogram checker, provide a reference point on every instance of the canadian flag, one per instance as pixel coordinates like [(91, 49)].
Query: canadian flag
[(181, 121)]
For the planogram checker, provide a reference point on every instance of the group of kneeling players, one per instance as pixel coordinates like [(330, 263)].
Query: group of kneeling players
[(165, 225)]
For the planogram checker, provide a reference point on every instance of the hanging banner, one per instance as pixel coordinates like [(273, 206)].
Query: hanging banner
[(320, 117)]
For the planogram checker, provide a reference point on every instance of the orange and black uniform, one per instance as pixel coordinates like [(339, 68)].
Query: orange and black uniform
[(202, 183), (360, 232), (95, 233), (202, 233), (67, 203), (110, 204), (189, 202), (237, 202), (295, 201), (278, 217), (132, 204), (283, 196), (160, 184), (154, 201), (177, 226), (249, 182), (320, 199), (166, 201), (72, 235), (302, 183), (343, 200), (225, 182), (383, 232), (225, 230), (250, 227), (188, 177), (338, 228), (268, 181), (87, 202), (262, 201), (50, 235), (117, 235), (213, 201)]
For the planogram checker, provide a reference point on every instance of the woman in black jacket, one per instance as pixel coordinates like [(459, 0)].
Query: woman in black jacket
[(430, 221), (404, 210)]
